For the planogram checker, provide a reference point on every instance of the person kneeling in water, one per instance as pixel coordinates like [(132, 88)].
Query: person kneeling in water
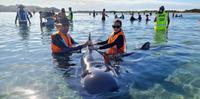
[(115, 44), (62, 42)]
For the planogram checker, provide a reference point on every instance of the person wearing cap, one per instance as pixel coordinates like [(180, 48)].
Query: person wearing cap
[(62, 42), (116, 42), (70, 16), (162, 20), (22, 16)]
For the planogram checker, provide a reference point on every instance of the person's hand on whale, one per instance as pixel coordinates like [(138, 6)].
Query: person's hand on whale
[(87, 44)]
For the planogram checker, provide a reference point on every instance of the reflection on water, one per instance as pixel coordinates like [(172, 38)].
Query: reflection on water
[(160, 37), (63, 60), (170, 71), (24, 32)]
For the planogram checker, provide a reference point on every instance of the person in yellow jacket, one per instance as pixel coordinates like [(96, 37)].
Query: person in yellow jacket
[(161, 24), (162, 20)]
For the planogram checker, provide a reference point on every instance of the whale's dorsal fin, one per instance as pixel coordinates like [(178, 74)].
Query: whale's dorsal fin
[(89, 37)]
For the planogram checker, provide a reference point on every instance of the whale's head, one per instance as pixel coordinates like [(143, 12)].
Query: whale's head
[(99, 82)]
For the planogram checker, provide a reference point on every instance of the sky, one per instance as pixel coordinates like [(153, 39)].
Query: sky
[(109, 4)]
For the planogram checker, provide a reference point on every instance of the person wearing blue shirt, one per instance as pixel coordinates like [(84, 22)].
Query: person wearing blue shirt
[(22, 16)]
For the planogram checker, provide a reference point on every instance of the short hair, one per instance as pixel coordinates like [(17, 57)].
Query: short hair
[(118, 21), (63, 10)]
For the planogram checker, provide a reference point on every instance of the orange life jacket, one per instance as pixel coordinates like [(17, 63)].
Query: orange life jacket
[(66, 39), (114, 50)]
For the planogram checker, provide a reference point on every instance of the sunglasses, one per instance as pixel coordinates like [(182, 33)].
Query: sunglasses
[(115, 26)]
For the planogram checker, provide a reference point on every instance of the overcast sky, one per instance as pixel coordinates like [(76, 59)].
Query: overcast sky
[(109, 4)]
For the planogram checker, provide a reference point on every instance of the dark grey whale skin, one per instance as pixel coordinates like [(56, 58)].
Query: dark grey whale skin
[(94, 79)]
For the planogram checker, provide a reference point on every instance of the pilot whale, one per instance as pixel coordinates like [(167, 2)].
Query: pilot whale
[(95, 79)]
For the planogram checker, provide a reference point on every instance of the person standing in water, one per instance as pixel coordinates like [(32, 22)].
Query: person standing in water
[(161, 24), (132, 17), (104, 15), (70, 16), (162, 20), (62, 14), (139, 17), (94, 13), (62, 42), (22, 16), (147, 18), (122, 17)]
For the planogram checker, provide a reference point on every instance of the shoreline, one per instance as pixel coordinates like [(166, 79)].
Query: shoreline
[(13, 8)]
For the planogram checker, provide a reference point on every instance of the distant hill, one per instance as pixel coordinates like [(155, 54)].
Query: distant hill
[(193, 10), (13, 8)]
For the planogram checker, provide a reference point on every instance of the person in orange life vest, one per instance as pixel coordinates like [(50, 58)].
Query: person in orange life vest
[(62, 42), (115, 44)]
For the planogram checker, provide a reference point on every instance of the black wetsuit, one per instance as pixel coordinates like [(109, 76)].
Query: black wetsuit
[(119, 41)]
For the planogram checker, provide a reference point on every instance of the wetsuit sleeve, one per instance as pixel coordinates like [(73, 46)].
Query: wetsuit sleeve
[(73, 41), (72, 49), (28, 18), (155, 19), (168, 20), (103, 42), (57, 41), (119, 42)]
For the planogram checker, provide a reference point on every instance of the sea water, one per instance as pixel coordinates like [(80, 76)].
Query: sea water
[(169, 70)]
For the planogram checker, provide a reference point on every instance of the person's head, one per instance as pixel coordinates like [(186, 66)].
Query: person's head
[(70, 8), (65, 25), (161, 9), (63, 10), (117, 24), (21, 7), (104, 9)]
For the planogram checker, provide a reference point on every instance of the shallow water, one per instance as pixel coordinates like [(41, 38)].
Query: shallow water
[(169, 70)]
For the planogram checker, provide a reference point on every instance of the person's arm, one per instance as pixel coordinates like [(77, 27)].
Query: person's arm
[(168, 21), (16, 18), (28, 18), (119, 42), (73, 41), (72, 49), (64, 49), (30, 14), (155, 19), (102, 43)]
